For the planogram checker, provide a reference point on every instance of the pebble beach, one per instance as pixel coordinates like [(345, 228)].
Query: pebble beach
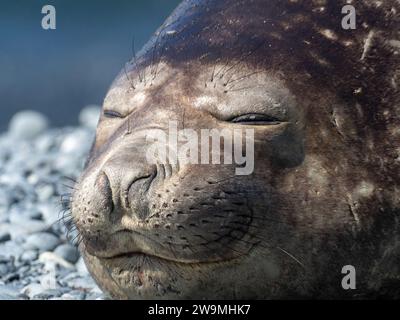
[(39, 258)]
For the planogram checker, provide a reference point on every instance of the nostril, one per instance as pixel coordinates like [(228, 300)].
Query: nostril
[(103, 182), (136, 194), (104, 187), (140, 183)]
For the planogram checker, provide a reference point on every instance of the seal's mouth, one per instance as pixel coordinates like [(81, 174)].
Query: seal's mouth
[(130, 246), (135, 256)]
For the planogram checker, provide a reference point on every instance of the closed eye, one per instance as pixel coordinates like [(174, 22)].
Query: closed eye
[(112, 114), (255, 119)]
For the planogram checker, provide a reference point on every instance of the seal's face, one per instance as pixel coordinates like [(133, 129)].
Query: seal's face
[(184, 230), (153, 225)]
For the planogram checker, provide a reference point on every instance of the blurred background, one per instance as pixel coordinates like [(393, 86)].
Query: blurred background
[(58, 72)]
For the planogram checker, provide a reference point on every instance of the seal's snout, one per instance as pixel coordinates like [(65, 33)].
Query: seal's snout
[(129, 178), (118, 189), (93, 205)]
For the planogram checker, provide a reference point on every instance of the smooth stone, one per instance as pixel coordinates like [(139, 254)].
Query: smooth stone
[(24, 217), (49, 281), (11, 277), (81, 267), (76, 295), (8, 293), (73, 143), (24, 229), (89, 116), (33, 179), (11, 250), (29, 255), (95, 296), (49, 211), (82, 283), (4, 269), (23, 270), (67, 296), (67, 252), (52, 258), (32, 290), (4, 236), (44, 143), (27, 124), (70, 276), (5, 199), (45, 192), (22, 296), (42, 241)]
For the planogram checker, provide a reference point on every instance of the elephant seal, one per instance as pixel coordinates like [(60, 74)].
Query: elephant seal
[(318, 217)]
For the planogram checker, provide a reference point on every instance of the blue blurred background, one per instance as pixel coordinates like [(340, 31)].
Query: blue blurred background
[(60, 71)]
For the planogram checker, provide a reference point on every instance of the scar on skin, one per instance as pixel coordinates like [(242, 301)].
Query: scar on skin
[(367, 44)]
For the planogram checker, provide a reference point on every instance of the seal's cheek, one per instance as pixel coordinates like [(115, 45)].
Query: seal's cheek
[(287, 149), (281, 146)]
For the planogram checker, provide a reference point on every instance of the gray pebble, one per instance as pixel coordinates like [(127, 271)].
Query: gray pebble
[(27, 124), (32, 290), (29, 255), (75, 295), (10, 250), (42, 241), (81, 267), (72, 143), (25, 227), (32, 160), (67, 252), (47, 294), (8, 293), (4, 269), (44, 143), (4, 236), (89, 116), (45, 192), (82, 283), (23, 217)]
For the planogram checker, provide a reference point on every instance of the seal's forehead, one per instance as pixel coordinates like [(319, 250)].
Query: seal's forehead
[(224, 90), (302, 36), (233, 89), (134, 87)]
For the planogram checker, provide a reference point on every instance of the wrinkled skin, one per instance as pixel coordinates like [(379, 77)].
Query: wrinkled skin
[(325, 188)]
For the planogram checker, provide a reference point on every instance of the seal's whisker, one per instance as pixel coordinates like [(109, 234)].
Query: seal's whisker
[(291, 256), (242, 58), (68, 186), (154, 51), (230, 81), (69, 178), (129, 79), (241, 89), (213, 73)]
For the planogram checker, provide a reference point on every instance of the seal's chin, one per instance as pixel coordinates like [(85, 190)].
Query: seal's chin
[(137, 275)]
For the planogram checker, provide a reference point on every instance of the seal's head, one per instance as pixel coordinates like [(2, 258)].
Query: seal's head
[(321, 104)]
